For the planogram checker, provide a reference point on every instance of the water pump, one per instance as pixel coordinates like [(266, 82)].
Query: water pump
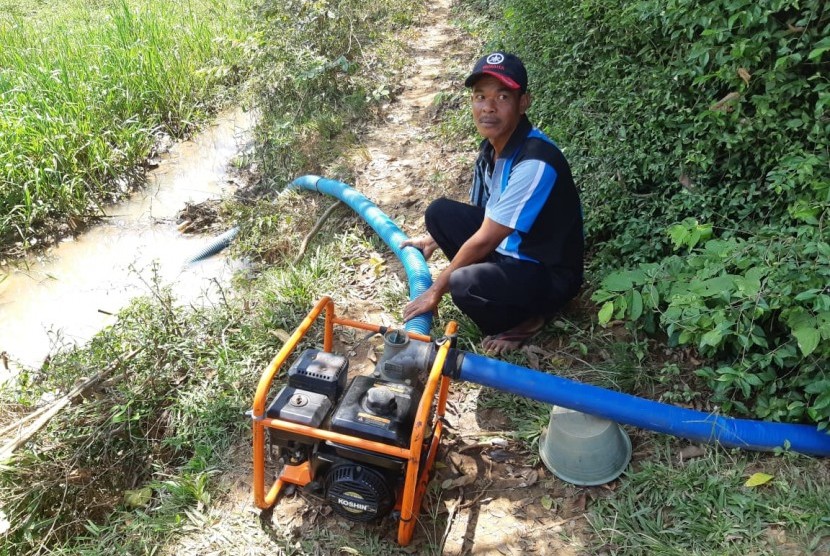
[(365, 445)]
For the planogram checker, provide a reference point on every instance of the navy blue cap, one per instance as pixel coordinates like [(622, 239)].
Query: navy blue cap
[(505, 67)]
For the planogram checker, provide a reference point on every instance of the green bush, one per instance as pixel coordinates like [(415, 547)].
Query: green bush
[(714, 109), (707, 119), (759, 308)]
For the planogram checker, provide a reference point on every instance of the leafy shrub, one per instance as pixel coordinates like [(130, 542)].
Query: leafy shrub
[(759, 308), (664, 106), (708, 119)]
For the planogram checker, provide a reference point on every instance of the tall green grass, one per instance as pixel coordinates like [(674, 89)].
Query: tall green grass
[(84, 86)]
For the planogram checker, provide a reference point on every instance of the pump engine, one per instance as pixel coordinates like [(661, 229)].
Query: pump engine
[(360, 484)]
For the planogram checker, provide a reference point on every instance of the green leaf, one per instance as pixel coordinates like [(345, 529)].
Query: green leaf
[(807, 337), (756, 273), (652, 297), (807, 295), (818, 387), (138, 498), (617, 282), (546, 501), (678, 234), (822, 46), (717, 286), (805, 211), (712, 338), (750, 283), (821, 402), (605, 312), (600, 296), (823, 320), (636, 305), (753, 380)]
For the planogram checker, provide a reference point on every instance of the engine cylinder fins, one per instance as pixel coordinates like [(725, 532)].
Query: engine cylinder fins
[(358, 493)]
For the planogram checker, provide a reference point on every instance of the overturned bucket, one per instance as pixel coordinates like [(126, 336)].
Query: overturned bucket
[(583, 449)]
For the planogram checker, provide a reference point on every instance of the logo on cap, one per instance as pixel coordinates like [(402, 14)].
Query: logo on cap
[(496, 58)]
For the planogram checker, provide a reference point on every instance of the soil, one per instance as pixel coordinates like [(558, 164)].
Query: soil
[(489, 495)]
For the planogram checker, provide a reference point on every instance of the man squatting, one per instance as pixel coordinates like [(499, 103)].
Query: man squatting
[(516, 252)]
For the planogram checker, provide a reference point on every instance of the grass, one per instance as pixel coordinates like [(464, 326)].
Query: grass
[(663, 505), (88, 86), (162, 426), (704, 507), (319, 77), (140, 461)]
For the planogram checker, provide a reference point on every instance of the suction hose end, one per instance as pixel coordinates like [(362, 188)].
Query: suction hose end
[(452, 365)]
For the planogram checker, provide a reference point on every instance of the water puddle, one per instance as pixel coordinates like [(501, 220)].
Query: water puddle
[(72, 292)]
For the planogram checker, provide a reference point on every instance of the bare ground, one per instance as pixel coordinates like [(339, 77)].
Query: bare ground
[(488, 495)]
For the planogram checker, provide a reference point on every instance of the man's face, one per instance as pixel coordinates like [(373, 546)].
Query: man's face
[(497, 110)]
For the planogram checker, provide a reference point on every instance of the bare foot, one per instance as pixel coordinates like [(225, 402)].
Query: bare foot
[(513, 339)]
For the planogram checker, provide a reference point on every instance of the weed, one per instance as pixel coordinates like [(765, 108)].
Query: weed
[(141, 458), (160, 426)]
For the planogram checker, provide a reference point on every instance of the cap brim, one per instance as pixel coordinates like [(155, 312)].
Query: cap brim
[(470, 81)]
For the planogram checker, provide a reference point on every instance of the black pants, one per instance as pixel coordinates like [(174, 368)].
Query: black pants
[(499, 292)]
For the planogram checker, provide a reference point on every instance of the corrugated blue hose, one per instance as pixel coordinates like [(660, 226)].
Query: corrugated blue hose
[(639, 412), (214, 246), (416, 268)]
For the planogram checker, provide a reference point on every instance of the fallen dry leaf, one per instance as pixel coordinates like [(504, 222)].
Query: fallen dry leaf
[(723, 105), (281, 334), (578, 503), (758, 479), (530, 478), (463, 480)]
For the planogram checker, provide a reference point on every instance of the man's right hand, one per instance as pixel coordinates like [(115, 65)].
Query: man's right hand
[(425, 244), (425, 303)]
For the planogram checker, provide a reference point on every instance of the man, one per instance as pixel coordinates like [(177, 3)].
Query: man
[(516, 252)]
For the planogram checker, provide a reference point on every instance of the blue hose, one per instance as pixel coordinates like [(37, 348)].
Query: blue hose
[(412, 259), (647, 414), (621, 408), (214, 246)]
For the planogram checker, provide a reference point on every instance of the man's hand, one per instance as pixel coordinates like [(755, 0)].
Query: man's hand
[(425, 244), (424, 303), (475, 249)]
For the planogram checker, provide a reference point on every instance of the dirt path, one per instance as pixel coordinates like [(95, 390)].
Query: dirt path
[(487, 496)]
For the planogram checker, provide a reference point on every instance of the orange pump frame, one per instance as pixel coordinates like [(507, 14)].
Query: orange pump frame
[(417, 469)]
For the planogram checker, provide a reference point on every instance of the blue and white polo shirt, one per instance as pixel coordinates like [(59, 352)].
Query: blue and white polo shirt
[(529, 188)]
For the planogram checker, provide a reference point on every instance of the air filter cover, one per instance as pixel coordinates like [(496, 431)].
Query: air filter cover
[(319, 371), (358, 493)]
